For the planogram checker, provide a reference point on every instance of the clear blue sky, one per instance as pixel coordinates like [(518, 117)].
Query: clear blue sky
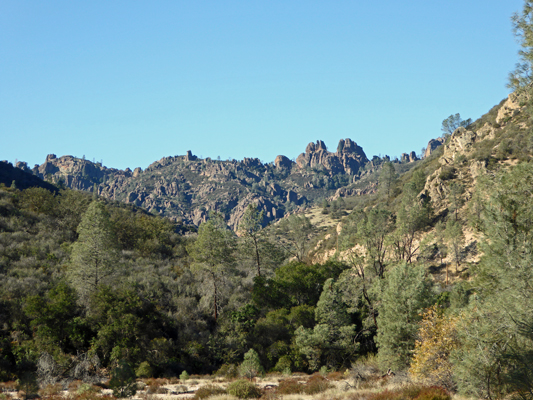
[(129, 82)]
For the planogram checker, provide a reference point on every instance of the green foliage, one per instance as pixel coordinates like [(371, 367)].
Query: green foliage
[(331, 341), (294, 235), (404, 293), (520, 79), (207, 391), (213, 254), (251, 366), (128, 326), (123, 380), (450, 124), (497, 345), (387, 180), (94, 256), (27, 383), (144, 370), (184, 376), (244, 389)]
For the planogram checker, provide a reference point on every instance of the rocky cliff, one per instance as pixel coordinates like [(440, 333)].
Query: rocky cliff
[(185, 188), (348, 159)]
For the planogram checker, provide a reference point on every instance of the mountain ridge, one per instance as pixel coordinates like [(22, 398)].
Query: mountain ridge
[(186, 188)]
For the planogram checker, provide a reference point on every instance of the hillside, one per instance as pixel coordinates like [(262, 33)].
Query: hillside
[(185, 188)]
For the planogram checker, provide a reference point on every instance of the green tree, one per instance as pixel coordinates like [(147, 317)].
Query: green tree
[(94, 256), (520, 79), (249, 229), (123, 380), (497, 348), (213, 255), (363, 238), (251, 366), (403, 294), (455, 198), (455, 239), (450, 124), (256, 244), (387, 179), (331, 341), (294, 235), (411, 219)]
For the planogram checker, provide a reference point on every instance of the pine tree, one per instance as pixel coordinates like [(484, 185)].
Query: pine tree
[(331, 341), (387, 180), (213, 255), (94, 257), (403, 294), (497, 346)]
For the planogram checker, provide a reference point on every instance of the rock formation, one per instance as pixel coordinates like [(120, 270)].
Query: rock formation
[(432, 145), (348, 159)]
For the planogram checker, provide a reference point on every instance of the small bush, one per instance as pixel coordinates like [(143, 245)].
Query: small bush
[(433, 393), (51, 390), (317, 384), (244, 389), (228, 371), (184, 376), (88, 388), (123, 380), (207, 391), (412, 392), (447, 173), (144, 370), (290, 386), (283, 364), (335, 376), (156, 388)]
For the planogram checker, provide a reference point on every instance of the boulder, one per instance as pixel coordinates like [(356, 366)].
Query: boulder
[(432, 145), (283, 162)]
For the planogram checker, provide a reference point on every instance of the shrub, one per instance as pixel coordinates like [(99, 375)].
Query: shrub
[(284, 363), (412, 392), (251, 366), (123, 380), (228, 371), (184, 376), (144, 370), (335, 376), (244, 389), (290, 386), (88, 388), (317, 384), (447, 173), (433, 393), (51, 390), (207, 391)]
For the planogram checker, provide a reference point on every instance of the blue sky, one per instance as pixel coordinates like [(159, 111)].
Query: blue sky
[(130, 82)]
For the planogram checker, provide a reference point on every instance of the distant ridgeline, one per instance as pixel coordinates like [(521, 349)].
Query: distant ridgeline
[(21, 178), (186, 188)]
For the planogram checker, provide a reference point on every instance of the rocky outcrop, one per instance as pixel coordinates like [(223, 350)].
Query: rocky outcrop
[(76, 173), (432, 146), (407, 158), (511, 107), (185, 188), (348, 159), (282, 162), (22, 176)]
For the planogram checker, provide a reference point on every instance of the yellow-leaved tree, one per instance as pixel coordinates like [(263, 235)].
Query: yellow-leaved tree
[(437, 338)]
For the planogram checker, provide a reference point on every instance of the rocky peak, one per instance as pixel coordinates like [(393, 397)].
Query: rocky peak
[(348, 158), (432, 145), (407, 158), (282, 162)]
